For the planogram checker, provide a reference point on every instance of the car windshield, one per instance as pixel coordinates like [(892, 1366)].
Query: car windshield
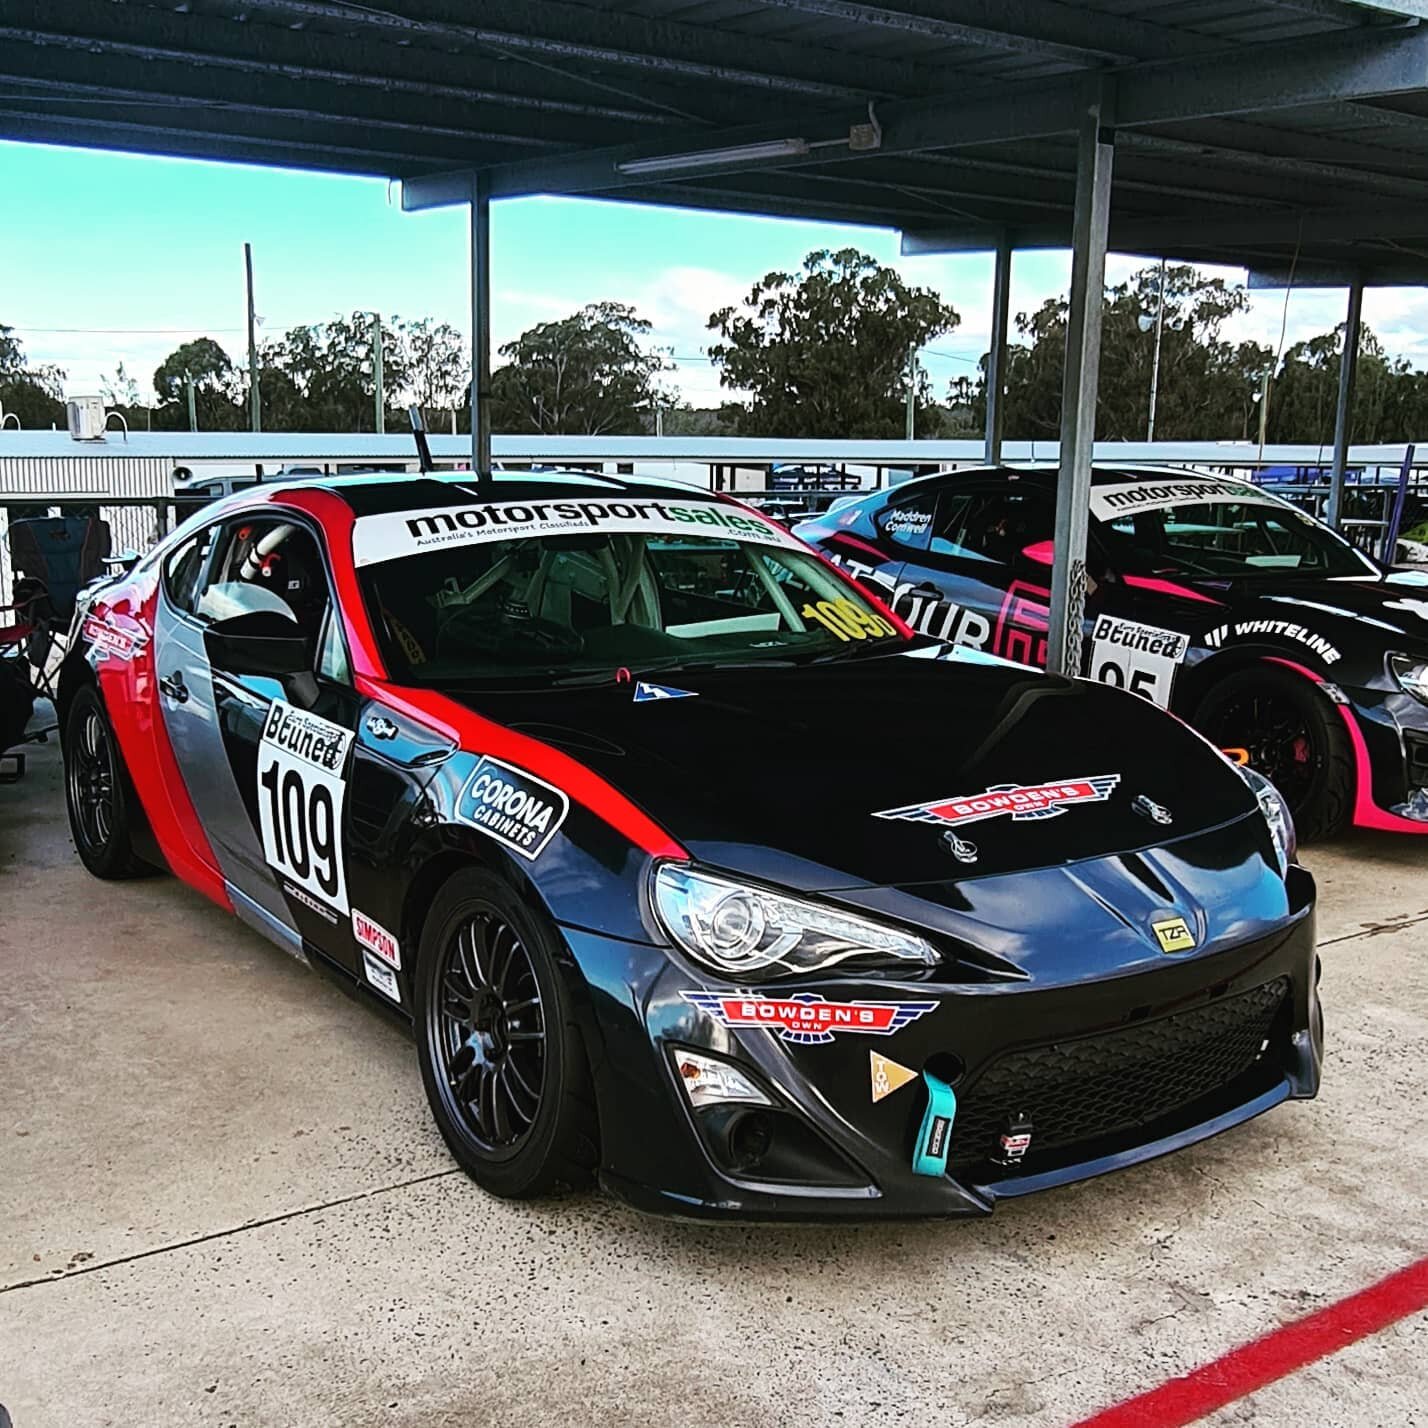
[(577, 608), (1253, 537)]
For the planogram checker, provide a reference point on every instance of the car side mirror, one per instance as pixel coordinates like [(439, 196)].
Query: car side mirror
[(260, 642)]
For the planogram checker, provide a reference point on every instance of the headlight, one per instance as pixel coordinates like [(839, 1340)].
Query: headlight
[(1411, 675), (1276, 814), (743, 931)]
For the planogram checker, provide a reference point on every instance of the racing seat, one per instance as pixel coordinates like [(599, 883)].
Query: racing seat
[(53, 558)]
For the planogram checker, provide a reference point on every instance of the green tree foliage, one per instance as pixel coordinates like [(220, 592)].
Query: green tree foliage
[(321, 377), (1207, 384), (217, 388), (589, 374), (824, 351), (33, 395), (437, 362), (1390, 402)]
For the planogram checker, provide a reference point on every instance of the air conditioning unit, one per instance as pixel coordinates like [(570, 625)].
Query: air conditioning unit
[(86, 418)]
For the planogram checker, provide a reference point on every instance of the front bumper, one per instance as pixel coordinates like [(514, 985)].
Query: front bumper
[(1108, 1071), (1389, 734)]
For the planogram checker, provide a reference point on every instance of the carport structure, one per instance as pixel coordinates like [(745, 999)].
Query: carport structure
[(1288, 137)]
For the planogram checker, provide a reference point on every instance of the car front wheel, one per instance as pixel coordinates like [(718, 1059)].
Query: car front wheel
[(501, 1054), (1294, 737)]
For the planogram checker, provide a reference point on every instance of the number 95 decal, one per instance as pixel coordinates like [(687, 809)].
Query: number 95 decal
[(301, 784)]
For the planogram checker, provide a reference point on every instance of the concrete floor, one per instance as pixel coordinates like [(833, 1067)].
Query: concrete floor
[(222, 1203)]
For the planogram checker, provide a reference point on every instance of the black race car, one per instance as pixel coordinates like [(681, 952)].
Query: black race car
[(1266, 630), (682, 858)]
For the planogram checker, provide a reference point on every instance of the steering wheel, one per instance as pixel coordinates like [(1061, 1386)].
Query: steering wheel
[(522, 638)]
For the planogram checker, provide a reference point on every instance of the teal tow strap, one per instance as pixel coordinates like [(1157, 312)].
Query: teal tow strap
[(934, 1136)]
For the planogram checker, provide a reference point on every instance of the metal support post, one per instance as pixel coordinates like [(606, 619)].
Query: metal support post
[(480, 327), (1095, 153), (997, 354), (1343, 417), (379, 393), (1155, 364), (910, 416), (255, 399)]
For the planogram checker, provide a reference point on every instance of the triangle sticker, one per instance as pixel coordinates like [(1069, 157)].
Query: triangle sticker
[(645, 693), (888, 1076)]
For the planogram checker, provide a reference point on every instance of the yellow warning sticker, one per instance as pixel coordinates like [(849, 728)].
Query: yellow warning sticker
[(888, 1076), (1173, 934)]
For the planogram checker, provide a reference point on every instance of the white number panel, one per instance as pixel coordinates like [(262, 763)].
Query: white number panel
[(302, 763), (1140, 658)]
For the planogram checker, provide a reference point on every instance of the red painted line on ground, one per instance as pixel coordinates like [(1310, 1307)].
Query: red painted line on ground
[(1274, 1356)]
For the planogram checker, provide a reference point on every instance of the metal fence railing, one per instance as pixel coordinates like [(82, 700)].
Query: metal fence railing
[(135, 523)]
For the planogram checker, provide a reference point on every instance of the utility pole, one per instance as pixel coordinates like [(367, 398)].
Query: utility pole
[(255, 400), (1155, 367), (911, 423), (381, 396), (1264, 409), (192, 406)]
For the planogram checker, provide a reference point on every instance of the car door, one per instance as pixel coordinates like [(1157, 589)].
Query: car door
[(189, 711), (280, 754), (983, 577)]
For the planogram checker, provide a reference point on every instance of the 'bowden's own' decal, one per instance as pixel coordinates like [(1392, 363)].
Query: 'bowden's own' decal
[(1023, 802), (302, 763), (806, 1017), (513, 807), (388, 537)]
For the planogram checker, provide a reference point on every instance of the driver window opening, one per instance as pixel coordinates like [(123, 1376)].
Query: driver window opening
[(274, 567)]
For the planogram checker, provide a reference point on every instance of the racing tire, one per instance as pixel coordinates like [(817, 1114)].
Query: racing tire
[(100, 800), (502, 1058), (1295, 738)]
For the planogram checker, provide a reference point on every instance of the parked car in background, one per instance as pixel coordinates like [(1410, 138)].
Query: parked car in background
[(1209, 596)]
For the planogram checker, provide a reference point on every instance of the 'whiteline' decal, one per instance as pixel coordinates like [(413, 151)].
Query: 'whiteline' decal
[(399, 533), (806, 1018), (1023, 802)]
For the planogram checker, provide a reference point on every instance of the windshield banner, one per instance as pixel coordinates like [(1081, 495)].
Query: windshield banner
[(1126, 497), (401, 533)]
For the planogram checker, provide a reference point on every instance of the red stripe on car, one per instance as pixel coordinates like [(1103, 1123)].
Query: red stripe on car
[(131, 701), (483, 736)]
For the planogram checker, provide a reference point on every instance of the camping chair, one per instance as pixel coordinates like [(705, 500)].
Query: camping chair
[(17, 691), (53, 558)]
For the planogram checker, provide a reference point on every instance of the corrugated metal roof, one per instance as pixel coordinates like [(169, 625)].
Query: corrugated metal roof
[(1287, 114)]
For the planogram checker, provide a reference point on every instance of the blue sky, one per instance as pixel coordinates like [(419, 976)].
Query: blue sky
[(107, 258)]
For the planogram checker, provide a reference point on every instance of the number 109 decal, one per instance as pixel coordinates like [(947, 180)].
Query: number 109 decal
[(301, 783)]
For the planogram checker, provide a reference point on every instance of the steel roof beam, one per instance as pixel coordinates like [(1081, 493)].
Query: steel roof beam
[(1215, 230), (1282, 165), (561, 32), (181, 90), (96, 26), (1358, 12), (1365, 64), (931, 22)]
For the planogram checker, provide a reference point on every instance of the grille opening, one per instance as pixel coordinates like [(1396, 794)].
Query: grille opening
[(1091, 1088)]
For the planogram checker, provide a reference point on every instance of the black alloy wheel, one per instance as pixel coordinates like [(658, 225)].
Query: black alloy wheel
[(502, 1055), (492, 1031), (1295, 737), (98, 797)]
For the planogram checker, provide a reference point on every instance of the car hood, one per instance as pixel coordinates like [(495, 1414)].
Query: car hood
[(851, 774)]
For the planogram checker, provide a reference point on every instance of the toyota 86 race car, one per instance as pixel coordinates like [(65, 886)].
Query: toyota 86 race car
[(1265, 629), (685, 861)]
